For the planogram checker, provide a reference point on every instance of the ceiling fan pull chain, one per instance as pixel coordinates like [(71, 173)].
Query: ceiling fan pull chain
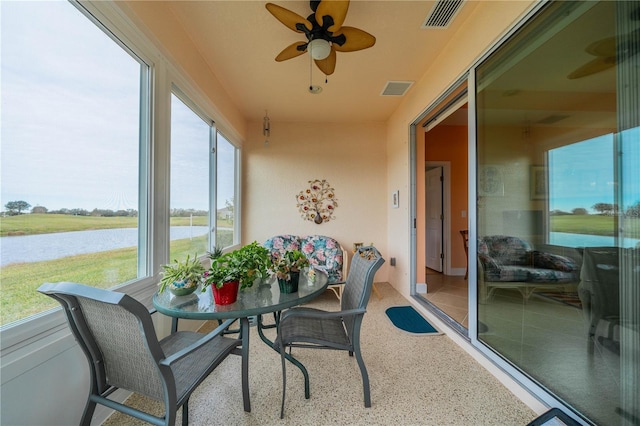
[(310, 74)]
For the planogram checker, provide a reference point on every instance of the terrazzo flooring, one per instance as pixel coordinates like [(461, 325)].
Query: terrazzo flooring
[(415, 380)]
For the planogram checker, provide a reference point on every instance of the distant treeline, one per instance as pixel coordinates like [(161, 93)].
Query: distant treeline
[(605, 209), (14, 208)]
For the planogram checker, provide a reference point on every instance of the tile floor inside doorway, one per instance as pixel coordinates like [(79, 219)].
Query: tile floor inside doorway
[(450, 294)]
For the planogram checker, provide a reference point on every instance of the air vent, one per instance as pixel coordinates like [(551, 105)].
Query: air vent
[(396, 88), (442, 13)]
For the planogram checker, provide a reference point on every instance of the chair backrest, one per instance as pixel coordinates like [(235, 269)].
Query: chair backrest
[(281, 243), (505, 250), (357, 289), (117, 336), (325, 253), (465, 240), (600, 274)]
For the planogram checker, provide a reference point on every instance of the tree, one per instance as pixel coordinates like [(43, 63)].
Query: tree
[(229, 205), (39, 209), (634, 210), (579, 211), (16, 207), (605, 208)]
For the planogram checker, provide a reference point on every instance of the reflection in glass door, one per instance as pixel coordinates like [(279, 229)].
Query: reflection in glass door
[(558, 244)]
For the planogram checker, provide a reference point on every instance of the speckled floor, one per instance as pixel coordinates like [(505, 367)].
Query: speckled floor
[(415, 380)]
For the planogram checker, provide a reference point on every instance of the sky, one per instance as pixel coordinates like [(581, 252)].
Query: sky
[(70, 115), (582, 174)]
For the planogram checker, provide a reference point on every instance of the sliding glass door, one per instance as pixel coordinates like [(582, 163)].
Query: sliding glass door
[(558, 208)]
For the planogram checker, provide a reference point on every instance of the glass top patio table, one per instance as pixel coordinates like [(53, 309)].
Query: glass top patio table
[(259, 299)]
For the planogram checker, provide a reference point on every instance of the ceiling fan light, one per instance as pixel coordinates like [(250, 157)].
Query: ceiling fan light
[(319, 49)]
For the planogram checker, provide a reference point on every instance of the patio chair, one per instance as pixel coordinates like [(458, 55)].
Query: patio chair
[(340, 330), (599, 288), (117, 336), (506, 262)]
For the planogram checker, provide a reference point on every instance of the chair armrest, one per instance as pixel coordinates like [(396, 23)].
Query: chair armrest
[(553, 261), (168, 361), (324, 314), (488, 263)]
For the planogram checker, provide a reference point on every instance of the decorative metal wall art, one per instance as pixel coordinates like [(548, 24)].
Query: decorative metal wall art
[(318, 202)]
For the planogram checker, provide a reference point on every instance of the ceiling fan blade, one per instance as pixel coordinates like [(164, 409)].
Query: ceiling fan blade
[(356, 40), (604, 47), (593, 67), (288, 18), (327, 65), (291, 51), (337, 9)]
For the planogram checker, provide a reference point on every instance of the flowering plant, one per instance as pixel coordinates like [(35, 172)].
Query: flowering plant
[(283, 264)]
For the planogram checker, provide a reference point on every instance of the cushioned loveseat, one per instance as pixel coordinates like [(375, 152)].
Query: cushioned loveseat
[(324, 253), (511, 262)]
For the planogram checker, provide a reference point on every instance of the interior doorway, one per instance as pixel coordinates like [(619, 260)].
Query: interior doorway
[(443, 155)]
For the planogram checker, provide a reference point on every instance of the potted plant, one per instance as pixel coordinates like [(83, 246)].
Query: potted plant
[(236, 270), (182, 278), (287, 268)]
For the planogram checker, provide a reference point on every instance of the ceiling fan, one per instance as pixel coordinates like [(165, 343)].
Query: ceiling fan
[(609, 52), (324, 32)]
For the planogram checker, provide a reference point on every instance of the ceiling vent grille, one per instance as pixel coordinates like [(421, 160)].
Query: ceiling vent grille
[(396, 88), (442, 13)]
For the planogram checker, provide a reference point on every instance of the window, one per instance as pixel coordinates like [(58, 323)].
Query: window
[(199, 150), (582, 193), (226, 172), (74, 155), (190, 160)]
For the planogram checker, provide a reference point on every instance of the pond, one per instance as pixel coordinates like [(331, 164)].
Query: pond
[(36, 248)]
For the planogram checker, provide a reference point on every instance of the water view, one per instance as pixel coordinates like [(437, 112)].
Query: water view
[(585, 240), (35, 248)]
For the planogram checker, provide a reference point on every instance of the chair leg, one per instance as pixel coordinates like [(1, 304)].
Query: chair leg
[(375, 290), (365, 376), (244, 327), (284, 379), (185, 413), (89, 409)]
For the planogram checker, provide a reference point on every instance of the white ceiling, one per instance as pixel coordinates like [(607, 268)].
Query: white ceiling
[(240, 39)]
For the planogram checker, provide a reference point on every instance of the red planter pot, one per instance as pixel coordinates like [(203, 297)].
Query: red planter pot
[(227, 294)]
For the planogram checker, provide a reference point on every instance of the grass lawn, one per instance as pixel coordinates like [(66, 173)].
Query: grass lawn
[(18, 295), (594, 225)]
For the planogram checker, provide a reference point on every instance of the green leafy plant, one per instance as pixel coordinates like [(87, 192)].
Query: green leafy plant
[(216, 253), (190, 272), (283, 265), (244, 265)]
